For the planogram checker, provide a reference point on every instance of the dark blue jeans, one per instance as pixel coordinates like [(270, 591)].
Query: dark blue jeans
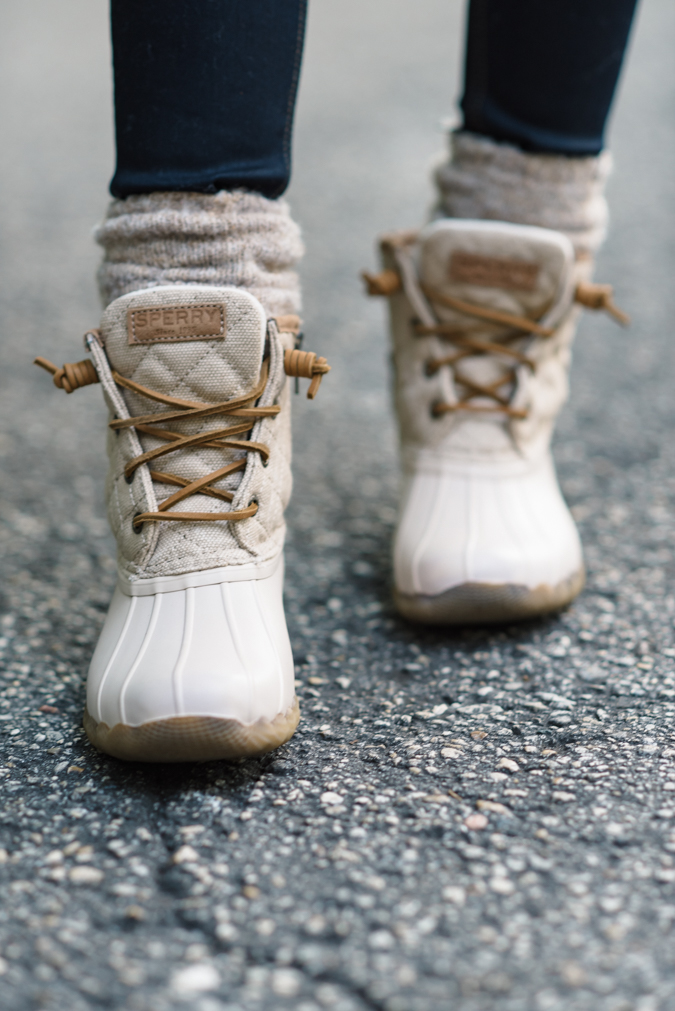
[(205, 89)]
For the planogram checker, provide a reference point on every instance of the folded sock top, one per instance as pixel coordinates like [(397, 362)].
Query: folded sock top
[(490, 180), (229, 238)]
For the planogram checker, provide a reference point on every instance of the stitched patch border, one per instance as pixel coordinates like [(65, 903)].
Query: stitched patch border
[(493, 271), (168, 324)]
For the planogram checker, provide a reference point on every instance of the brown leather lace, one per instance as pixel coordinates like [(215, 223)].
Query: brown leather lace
[(300, 364), (72, 375), (472, 347), (587, 293), (218, 438)]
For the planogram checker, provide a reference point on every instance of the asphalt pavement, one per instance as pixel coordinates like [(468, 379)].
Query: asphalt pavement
[(477, 820)]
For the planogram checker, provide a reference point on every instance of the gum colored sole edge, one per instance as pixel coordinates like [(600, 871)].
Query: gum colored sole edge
[(192, 738), (487, 603)]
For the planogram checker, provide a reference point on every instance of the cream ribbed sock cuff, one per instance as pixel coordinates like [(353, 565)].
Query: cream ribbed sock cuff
[(231, 238), (487, 179)]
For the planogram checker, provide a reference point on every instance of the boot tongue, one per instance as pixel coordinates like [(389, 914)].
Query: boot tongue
[(196, 343), (516, 269)]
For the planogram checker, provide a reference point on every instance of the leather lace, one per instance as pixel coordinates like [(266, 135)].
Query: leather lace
[(467, 346), (298, 364), (217, 438), (390, 282)]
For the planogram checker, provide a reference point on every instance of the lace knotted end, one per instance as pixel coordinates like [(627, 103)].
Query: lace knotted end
[(600, 297), (72, 375), (306, 365)]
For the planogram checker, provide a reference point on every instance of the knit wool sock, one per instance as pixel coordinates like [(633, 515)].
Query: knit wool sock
[(487, 179), (229, 238)]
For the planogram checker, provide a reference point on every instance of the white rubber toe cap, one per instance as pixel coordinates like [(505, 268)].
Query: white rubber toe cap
[(220, 650), (480, 525)]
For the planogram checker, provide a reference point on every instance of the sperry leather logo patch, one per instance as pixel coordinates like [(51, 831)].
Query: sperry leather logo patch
[(492, 272), (167, 323)]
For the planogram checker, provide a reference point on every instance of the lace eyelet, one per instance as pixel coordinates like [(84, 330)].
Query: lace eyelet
[(137, 530), (129, 477), (436, 410), (430, 368)]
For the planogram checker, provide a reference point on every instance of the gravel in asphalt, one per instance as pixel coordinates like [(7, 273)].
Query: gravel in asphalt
[(476, 819)]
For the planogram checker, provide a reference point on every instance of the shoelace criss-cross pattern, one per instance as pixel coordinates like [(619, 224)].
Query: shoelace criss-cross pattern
[(471, 347), (217, 438), (389, 282), (298, 364)]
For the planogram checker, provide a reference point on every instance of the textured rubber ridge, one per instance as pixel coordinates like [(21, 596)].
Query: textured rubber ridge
[(485, 603), (192, 738)]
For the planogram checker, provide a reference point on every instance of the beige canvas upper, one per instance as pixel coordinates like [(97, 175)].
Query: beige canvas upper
[(488, 436), (201, 370)]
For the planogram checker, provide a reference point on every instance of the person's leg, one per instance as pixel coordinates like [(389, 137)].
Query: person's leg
[(483, 313), (540, 79), (197, 338), (542, 75), (205, 93), (204, 100)]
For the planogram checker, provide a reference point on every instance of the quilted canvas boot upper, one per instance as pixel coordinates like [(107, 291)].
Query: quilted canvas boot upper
[(200, 345), (474, 382)]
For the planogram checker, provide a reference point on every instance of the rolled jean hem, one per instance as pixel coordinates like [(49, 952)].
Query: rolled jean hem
[(498, 125), (256, 180)]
